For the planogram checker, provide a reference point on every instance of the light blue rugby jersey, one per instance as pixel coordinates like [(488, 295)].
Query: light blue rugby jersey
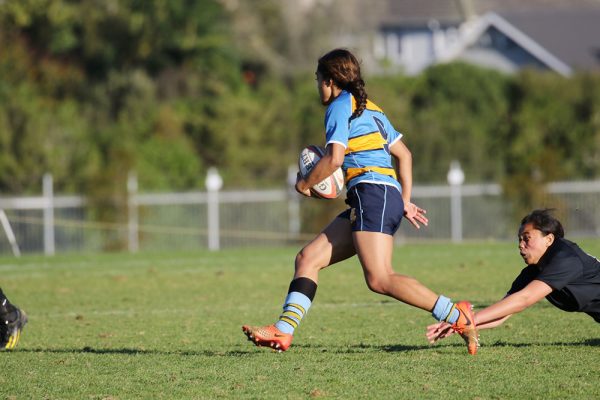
[(366, 139)]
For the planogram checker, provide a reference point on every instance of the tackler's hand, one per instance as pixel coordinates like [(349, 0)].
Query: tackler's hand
[(438, 331)]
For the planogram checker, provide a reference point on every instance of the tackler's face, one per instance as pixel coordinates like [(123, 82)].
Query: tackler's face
[(533, 243), (325, 88)]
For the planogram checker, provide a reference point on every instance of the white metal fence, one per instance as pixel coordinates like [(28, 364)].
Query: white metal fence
[(217, 219)]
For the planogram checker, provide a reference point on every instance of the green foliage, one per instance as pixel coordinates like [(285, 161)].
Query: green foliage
[(458, 112), (552, 134), (167, 160), (250, 133), (83, 84), (91, 90)]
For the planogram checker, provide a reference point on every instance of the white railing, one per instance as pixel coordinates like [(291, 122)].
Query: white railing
[(22, 213), (214, 219)]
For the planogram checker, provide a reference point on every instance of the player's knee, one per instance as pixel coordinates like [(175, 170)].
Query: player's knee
[(304, 261), (378, 284)]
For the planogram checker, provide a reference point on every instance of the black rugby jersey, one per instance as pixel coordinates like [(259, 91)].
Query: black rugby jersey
[(573, 275)]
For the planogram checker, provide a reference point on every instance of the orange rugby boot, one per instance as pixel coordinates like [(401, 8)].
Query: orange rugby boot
[(268, 336), (465, 326)]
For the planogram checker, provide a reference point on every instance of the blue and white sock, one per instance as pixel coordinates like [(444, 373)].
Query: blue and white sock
[(444, 310), (298, 301), (295, 308)]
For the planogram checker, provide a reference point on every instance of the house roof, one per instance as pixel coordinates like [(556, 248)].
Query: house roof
[(572, 35), (517, 6), (563, 34), (453, 11), (417, 12), (472, 30)]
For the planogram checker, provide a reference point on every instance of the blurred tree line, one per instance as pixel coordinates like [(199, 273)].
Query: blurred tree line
[(93, 89)]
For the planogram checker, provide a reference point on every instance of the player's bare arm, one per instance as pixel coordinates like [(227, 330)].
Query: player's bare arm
[(413, 213), (514, 303), (441, 330), (332, 160), (497, 313)]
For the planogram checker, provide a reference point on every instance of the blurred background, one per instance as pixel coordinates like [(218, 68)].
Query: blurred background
[(176, 124)]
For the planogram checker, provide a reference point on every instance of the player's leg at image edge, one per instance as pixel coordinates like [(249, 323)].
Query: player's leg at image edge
[(12, 321)]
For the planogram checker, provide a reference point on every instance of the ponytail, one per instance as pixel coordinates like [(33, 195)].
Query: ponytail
[(343, 68), (357, 89)]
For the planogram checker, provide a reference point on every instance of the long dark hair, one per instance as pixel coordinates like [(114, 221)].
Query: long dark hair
[(343, 68), (544, 221)]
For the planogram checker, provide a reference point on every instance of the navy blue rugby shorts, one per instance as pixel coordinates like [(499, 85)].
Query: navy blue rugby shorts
[(374, 208)]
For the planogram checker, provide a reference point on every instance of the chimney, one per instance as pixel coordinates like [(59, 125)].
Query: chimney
[(467, 10)]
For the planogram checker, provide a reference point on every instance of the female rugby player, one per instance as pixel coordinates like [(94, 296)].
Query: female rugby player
[(361, 140), (557, 269)]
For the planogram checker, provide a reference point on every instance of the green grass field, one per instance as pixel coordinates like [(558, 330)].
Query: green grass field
[(164, 326)]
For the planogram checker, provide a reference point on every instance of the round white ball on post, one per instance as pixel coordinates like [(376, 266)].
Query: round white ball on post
[(456, 177), (213, 183)]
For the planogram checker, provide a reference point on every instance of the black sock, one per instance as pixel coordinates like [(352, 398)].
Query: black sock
[(306, 286)]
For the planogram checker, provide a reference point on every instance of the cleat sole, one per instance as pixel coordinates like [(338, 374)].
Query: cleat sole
[(268, 336)]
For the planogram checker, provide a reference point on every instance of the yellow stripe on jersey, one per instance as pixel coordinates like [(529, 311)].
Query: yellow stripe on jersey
[(373, 107), (370, 105), (372, 141), (354, 172)]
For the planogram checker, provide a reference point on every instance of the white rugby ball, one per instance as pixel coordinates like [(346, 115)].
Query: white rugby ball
[(330, 187)]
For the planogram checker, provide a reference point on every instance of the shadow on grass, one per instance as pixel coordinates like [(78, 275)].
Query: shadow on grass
[(354, 349), (584, 343), (363, 348), (371, 348), (135, 352)]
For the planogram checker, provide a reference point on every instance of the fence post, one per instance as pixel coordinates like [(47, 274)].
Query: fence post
[(9, 234), (214, 182), (133, 217), (293, 203), (456, 178), (48, 192)]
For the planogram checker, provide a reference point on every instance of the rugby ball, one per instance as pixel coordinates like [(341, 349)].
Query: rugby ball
[(330, 187)]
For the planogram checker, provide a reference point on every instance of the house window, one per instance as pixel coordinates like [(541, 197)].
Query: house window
[(485, 40)]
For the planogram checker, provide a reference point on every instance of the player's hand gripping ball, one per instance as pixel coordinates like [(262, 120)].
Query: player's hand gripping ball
[(330, 187)]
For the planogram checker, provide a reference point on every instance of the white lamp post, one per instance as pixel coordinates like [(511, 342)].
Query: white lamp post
[(293, 202), (456, 178), (133, 220), (214, 183), (48, 190)]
